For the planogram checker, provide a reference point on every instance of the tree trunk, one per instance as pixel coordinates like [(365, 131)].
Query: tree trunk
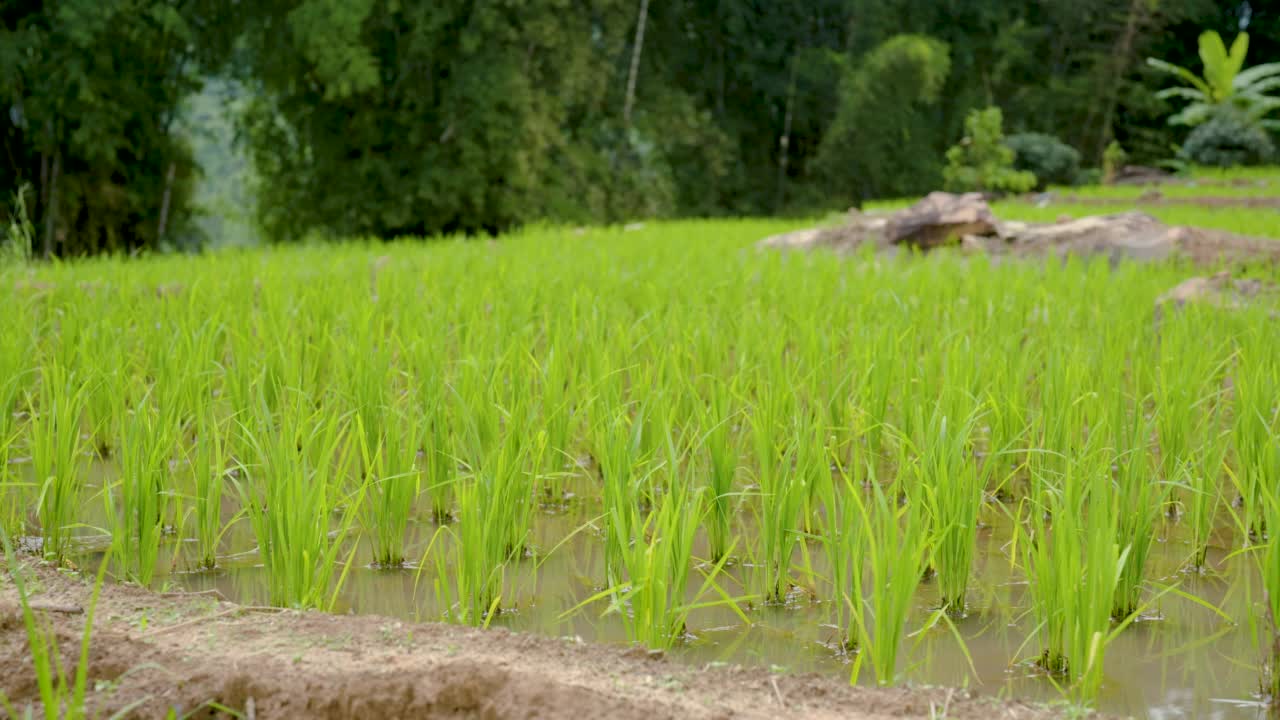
[(43, 200), (784, 142), (164, 203), (51, 211), (635, 64), (1120, 65)]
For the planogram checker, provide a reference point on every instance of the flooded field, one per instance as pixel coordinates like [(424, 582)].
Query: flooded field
[(1182, 660), (1024, 479)]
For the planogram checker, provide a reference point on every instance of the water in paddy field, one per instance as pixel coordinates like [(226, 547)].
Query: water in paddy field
[(1182, 660)]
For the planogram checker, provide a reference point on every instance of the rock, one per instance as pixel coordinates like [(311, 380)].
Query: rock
[(1219, 290), (1132, 235), (1140, 175), (798, 240), (939, 218), (1193, 289), (860, 229), (942, 217)]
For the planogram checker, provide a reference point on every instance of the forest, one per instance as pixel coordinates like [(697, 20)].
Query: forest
[(389, 118)]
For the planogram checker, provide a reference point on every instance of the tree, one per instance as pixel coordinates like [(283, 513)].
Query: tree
[(384, 118), (982, 161), (89, 91), (881, 141), (1225, 84)]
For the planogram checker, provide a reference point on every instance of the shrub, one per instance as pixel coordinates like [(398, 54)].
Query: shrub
[(881, 142), (1228, 139), (1113, 159), (1048, 158), (982, 161)]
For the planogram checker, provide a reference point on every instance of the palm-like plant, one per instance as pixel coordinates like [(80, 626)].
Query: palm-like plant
[(1225, 83)]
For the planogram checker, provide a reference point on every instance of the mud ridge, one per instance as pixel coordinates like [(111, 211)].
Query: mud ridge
[(202, 657)]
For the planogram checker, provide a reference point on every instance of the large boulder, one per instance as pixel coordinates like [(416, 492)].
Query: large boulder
[(1132, 235), (940, 218), (858, 229)]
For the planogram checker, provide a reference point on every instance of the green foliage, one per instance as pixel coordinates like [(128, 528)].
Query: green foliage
[(18, 242), (390, 118), (1228, 139), (421, 119), (1052, 161), (880, 142), (1225, 84), (982, 162), (90, 91), (1112, 160)]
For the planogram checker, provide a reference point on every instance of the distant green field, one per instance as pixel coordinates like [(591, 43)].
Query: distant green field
[(1264, 222), (1178, 206)]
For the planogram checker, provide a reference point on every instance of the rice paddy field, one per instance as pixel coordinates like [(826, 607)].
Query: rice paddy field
[(936, 470)]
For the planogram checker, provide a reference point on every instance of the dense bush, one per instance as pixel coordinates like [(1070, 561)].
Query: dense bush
[(1228, 139), (881, 143), (1048, 158), (982, 161)]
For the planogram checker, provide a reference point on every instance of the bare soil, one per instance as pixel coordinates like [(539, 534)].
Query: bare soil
[(197, 654)]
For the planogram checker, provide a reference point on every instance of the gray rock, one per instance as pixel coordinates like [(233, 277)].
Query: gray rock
[(941, 218)]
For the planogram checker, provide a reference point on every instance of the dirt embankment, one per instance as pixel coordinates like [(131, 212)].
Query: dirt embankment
[(197, 654)]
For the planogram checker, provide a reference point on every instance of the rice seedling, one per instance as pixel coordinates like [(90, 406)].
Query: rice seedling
[(1074, 567), (1139, 498), (391, 485), (651, 594), (952, 487), (472, 556), (722, 456), (12, 376), (145, 496), (1201, 479), (621, 468), (1189, 420), (1269, 567), (655, 564), (844, 540), (291, 494), (210, 465), (896, 555), (555, 417), (56, 447), (435, 445), (1256, 416), (782, 490)]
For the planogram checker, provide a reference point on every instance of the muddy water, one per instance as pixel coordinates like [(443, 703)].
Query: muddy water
[(1180, 661)]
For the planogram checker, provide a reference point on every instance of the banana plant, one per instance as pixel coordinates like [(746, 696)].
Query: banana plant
[(1225, 83)]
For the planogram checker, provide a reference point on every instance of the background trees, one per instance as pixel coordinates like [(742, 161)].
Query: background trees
[(389, 117)]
